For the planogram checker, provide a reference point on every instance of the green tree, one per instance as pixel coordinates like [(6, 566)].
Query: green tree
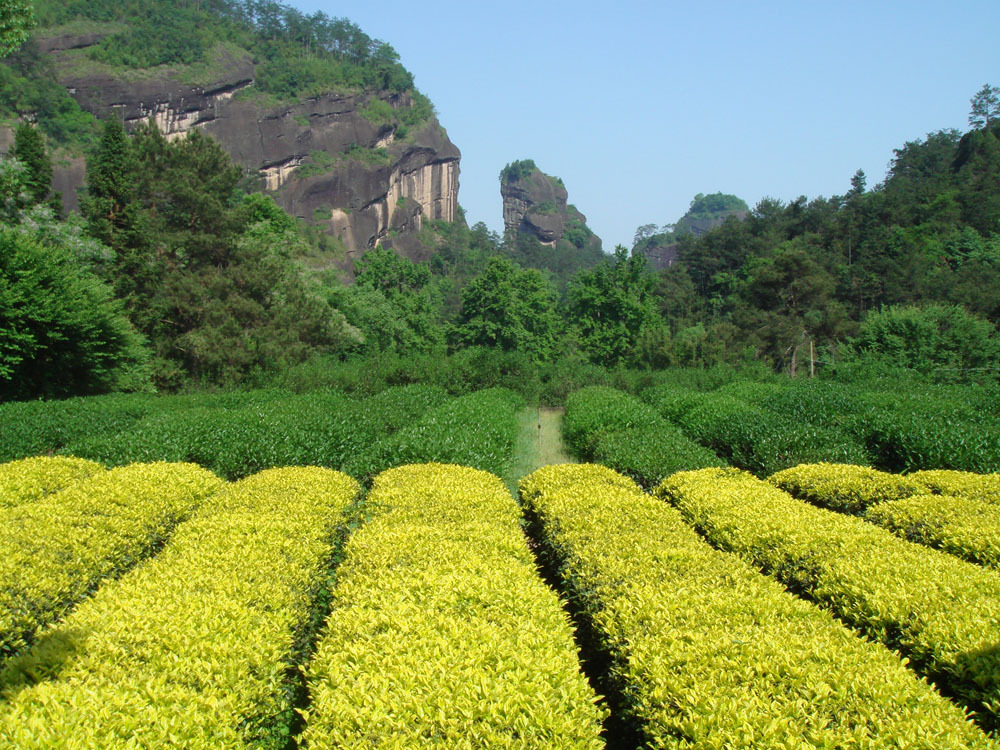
[(116, 218), (14, 195), (937, 337), (610, 304), (17, 17), (985, 107), (61, 331), (509, 308), (29, 149)]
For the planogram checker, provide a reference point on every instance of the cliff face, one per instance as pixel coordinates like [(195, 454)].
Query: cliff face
[(534, 204), (322, 159)]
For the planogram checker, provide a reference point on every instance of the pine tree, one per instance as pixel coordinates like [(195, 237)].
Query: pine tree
[(985, 107), (115, 217), (29, 149)]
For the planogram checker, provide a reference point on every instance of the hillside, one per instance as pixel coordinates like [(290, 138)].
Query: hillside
[(315, 112), (541, 229)]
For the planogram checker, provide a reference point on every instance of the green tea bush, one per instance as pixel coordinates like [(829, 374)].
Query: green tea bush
[(478, 430), (32, 428), (236, 437), (613, 428)]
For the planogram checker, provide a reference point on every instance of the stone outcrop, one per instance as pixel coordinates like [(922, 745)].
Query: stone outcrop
[(321, 158), (661, 249), (535, 204)]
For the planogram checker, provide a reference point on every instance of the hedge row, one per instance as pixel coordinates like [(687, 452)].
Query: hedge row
[(709, 653), (441, 633), (984, 487), (966, 528), (615, 429), (33, 478), (31, 428), (916, 427), (478, 430), (753, 437), (194, 649), (237, 437), (844, 487), (940, 612), (59, 548)]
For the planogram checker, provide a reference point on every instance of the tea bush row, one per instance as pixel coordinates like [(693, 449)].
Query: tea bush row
[(940, 612), (33, 478), (479, 430), (325, 428), (58, 549), (195, 649), (966, 527), (441, 633), (752, 437), (705, 651), (613, 428)]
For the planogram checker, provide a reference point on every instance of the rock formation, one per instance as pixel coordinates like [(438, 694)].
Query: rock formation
[(706, 213), (534, 204), (322, 159)]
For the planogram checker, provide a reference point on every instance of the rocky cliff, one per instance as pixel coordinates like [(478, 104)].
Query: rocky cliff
[(336, 160), (535, 204), (706, 213)]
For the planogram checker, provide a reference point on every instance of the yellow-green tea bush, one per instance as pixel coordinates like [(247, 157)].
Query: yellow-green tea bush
[(59, 548), (710, 653), (941, 612), (844, 487), (192, 649), (441, 633), (960, 483), (966, 528), (33, 478)]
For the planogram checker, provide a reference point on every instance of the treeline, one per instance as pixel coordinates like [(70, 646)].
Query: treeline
[(173, 276), (807, 276)]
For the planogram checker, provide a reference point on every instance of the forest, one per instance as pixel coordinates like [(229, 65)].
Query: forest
[(175, 274)]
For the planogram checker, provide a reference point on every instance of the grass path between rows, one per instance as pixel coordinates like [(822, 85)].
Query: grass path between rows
[(539, 443)]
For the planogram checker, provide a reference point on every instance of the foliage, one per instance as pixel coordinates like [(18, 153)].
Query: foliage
[(16, 20), (610, 305), (261, 429), (29, 90), (208, 275), (57, 549), (296, 55), (260, 546), (985, 107), (698, 643), (477, 430), (966, 528), (61, 331), (928, 339), (511, 309), (29, 149), (517, 170), (484, 656), (985, 487), (867, 577), (843, 487), (613, 428), (33, 478)]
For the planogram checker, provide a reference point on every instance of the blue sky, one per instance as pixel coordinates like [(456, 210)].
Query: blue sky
[(641, 105)]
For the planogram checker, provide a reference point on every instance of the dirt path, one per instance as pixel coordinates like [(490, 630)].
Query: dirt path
[(539, 443), (551, 449)]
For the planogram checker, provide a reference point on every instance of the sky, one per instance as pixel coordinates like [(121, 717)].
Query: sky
[(638, 106)]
